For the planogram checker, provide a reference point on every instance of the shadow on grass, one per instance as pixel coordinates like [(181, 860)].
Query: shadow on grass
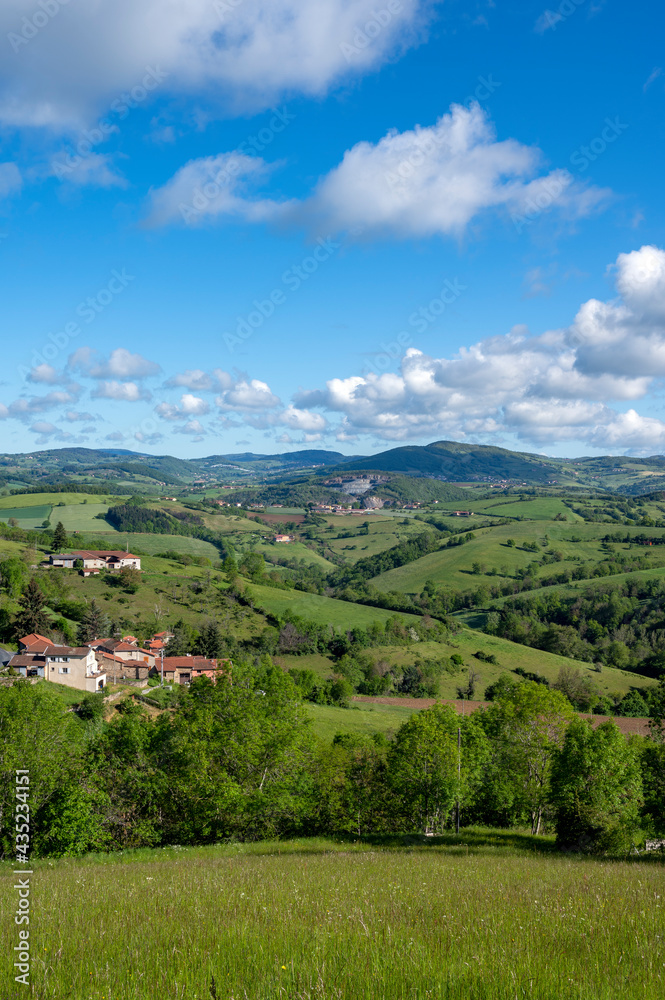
[(470, 837)]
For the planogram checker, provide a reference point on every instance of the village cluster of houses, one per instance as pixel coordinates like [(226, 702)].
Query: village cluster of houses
[(92, 666)]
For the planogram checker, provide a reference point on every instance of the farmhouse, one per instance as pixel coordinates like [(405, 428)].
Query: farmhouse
[(138, 661), (75, 667), (94, 561), (185, 669), (284, 538)]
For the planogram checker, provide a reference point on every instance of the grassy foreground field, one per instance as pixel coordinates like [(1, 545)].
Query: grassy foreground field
[(490, 915)]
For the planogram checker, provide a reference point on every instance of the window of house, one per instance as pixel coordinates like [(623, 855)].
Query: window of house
[(63, 670)]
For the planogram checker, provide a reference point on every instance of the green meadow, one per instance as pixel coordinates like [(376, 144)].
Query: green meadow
[(82, 517), (50, 499), (321, 610), (490, 550), (27, 517), (486, 915)]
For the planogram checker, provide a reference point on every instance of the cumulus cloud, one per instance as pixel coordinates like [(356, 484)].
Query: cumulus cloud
[(45, 374), (543, 389), (200, 381), (247, 395), (303, 420), (435, 180), (423, 182), (193, 429), (213, 187), (240, 55), (190, 405), (25, 406), (126, 392), (120, 364), (43, 428)]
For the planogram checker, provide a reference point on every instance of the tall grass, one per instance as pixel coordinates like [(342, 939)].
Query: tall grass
[(322, 919)]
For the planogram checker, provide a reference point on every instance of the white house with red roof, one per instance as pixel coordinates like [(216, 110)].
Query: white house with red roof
[(73, 666), (95, 560)]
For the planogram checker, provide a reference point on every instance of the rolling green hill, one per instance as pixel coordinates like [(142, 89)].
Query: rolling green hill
[(460, 462)]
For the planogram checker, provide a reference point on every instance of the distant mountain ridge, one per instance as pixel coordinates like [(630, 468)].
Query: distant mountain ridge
[(448, 461)]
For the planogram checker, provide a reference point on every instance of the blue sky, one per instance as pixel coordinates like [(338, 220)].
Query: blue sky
[(231, 225)]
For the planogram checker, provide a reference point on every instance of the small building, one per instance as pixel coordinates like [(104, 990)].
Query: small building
[(94, 561), (73, 666), (284, 538), (185, 669), (127, 651)]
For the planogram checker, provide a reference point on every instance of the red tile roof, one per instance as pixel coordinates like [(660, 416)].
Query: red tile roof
[(34, 639)]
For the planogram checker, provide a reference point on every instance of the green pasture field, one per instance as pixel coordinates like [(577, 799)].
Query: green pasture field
[(322, 610), (82, 517), (232, 525), (510, 656), (383, 534), (539, 509), (362, 719), (485, 915), (50, 499), (28, 517), (317, 662), (573, 589), (452, 567), (153, 544), (292, 550)]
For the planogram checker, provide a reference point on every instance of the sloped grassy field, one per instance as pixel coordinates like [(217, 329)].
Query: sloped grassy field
[(489, 915)]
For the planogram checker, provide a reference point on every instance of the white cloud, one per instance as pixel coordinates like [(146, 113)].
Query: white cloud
[(239, 55), (422, 182), (26, 405), (93, 170), (121, 364), (193, 429), (435, 180), (126, 392), (543, 389), (44, 428), (214, 186), (73, 417), (641, 280), (154, 438), (190, 405), (247, 395), (45, 374), (10, 179), (302, 420), (631, 431), (4, 412), (200, 381)]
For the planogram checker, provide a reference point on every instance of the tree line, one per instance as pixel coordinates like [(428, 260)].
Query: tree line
[(239, 760)]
